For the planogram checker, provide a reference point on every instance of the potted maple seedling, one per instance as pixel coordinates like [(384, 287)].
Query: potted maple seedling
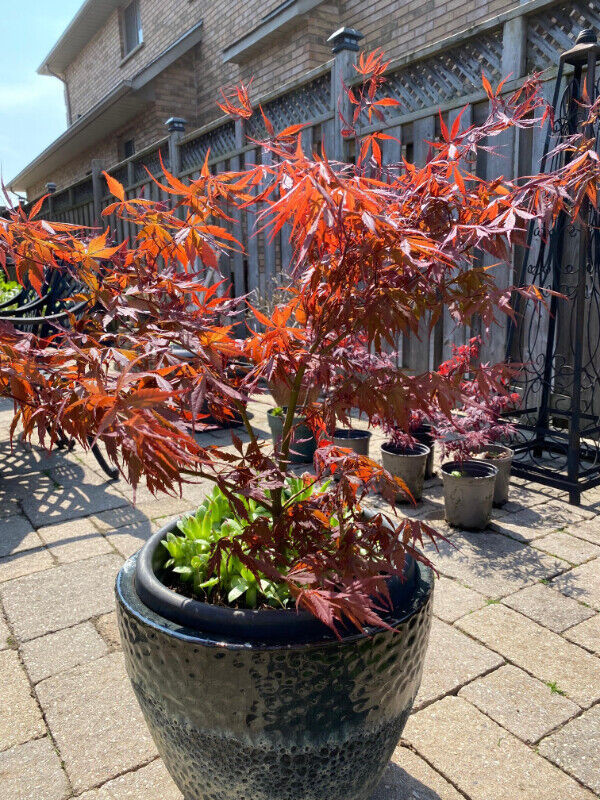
[(275, 637), (407, 454), (478, 474)]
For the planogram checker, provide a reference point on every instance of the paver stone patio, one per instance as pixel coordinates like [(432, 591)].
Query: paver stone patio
[(516, 635)]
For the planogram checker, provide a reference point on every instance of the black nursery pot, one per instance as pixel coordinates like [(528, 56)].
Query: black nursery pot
[(424, 435), (269, 705), (353, 438), (304, 444)]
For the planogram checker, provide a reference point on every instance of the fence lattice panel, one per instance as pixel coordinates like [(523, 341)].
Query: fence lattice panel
[(553, 31), (83, 193), (303, 104), (447, 75), (220, 141), (151, 162)]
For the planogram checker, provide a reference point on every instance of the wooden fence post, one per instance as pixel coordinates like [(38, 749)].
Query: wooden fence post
[(239, 283), (417, 356), (454, 334), (176, 128), (504, 161), (50, 189), (97, 191), (344, 46)]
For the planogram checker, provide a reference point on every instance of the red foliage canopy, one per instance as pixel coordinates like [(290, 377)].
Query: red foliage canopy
[(377, 250)]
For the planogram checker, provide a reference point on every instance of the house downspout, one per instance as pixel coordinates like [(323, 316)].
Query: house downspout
[(66, 86)]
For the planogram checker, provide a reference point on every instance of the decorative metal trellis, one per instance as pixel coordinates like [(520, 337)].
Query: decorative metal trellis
[(557, 442)]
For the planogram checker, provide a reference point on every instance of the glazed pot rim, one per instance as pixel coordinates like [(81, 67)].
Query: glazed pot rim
[(249, 625), (477, 469), (418, 449)]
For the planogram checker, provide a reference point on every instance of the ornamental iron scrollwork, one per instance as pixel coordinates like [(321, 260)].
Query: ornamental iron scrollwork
[(557, 439)]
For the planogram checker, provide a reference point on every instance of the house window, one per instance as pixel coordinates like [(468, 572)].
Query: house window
[(132, 27), (128, 148)]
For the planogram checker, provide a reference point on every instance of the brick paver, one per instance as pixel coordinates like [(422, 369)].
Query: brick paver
[(493, 564), (576, 748), (586, 634), (484, 760), (582, 583), (4, 634), (588, 530), (96, 722), (60, 597), (569, 548), (147, 783), (550, 608), (20, 717), (57, 652), (32, 771), (516, 627), (16, 535), (408, 776), (535, 649), (521, 704), (74, 540), (452, 601), (452, 660)]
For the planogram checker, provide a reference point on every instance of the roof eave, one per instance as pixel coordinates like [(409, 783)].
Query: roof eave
[(88, 20), (138, 88), (273, 24)]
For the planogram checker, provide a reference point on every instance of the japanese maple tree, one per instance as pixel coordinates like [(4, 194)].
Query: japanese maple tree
[(377, 250)]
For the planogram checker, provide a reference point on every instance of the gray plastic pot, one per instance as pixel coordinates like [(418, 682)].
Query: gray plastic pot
[(408, 463), (295, 714), (303, 445), (501, 458), (468, 497), (354, 439)]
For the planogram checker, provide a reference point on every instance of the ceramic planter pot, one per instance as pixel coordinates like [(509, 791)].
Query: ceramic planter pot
[(424, 435), (280, 391), (354, 439), (294, 714), (500, 457), (408, 463), (304, 444), (468, 494)]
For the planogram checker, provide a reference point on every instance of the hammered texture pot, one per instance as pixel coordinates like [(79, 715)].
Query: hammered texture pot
[(306, 721)]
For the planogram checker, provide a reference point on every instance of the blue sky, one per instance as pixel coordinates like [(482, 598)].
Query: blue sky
[(32, 108)]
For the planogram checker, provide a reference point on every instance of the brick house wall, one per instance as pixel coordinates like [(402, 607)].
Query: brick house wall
[(400, 27), (190, 86)]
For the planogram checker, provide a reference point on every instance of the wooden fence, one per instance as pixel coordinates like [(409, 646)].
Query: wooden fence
[(442, 77)]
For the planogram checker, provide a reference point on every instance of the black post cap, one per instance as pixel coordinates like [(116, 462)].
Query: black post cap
[(345, 39), (587, 36), (176, 124), (586, 46)]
